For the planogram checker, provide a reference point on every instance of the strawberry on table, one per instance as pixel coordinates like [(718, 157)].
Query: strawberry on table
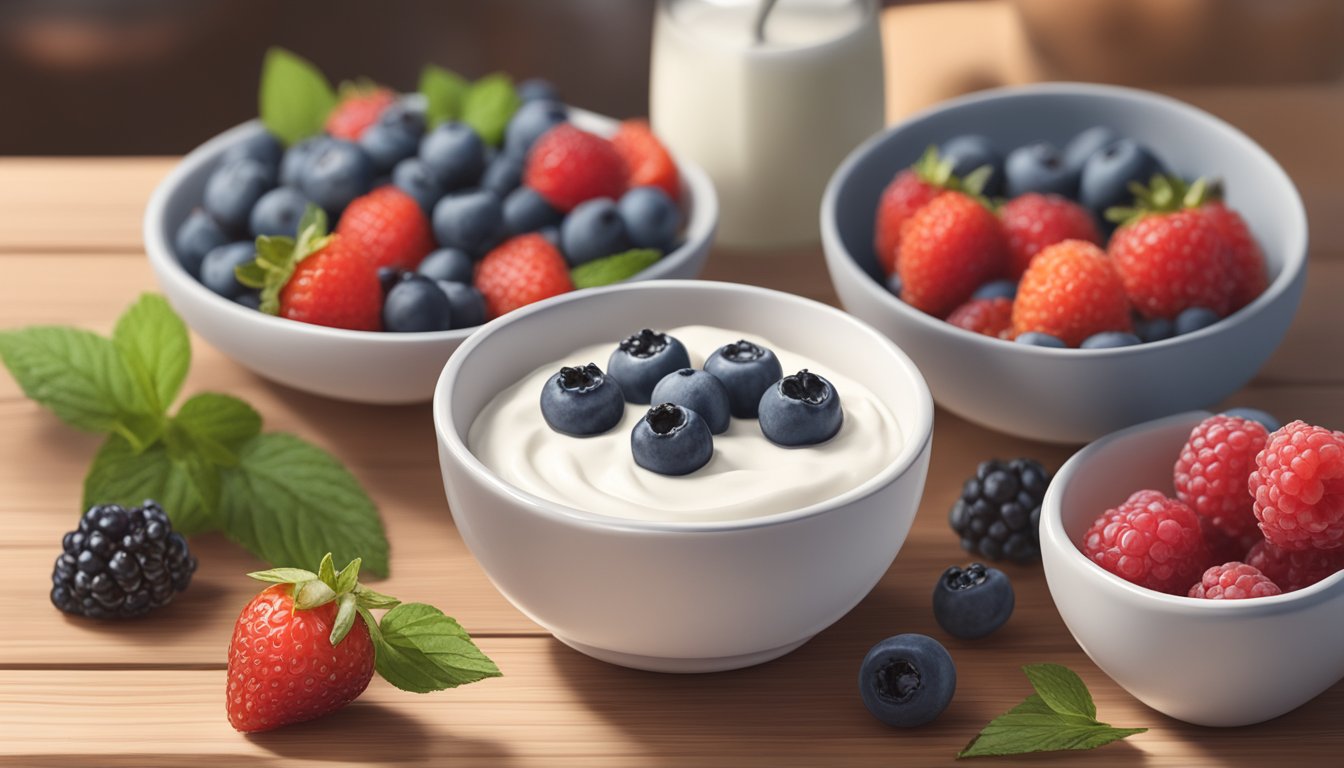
[(388, 227), (567, 166), (358, 110), (519, 271), (1071, 291), (648, 161), (1034, 222), (950, 247)]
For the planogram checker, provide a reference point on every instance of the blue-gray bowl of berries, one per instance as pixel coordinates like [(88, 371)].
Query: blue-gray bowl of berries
[(1064, 260), (345, 243)]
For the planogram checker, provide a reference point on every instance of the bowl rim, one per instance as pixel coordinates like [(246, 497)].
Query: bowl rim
[(700, 227), (918, 436), (839, 258), (1054, 537)]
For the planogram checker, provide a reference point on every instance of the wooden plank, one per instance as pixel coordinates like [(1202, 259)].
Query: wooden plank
[(75, 203)]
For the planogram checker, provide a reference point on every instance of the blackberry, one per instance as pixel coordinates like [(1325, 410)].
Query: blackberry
[(121, 563), (999, 513)]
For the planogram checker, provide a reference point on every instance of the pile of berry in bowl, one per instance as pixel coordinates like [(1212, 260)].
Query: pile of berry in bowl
[(1199, 561), (348, 241), (1065, 260)]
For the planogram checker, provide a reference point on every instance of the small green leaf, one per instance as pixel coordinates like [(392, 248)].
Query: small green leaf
[(488, 105), (295, 98), (614, 269), (216, 426), (283, 575), (1061, 689), (345, 618), (374, 600), (444, 93), (311, 594), (326, 571), (277, 257), (419, 649), (348, 578), (120, 475), (153, 342)]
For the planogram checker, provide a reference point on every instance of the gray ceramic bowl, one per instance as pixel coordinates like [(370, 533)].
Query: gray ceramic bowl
[(1074, 395)]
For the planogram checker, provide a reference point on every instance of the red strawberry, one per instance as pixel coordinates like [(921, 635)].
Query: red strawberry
[(1070, 291), (950, 247), (1248, 262), (519, 271), (336, 286), (567, 166), (1033, 222), (388, 227), (908, 191), (358, 109), (648, 161), (991, 317)]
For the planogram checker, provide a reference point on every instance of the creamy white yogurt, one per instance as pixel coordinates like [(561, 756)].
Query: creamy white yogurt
[(748, 476)]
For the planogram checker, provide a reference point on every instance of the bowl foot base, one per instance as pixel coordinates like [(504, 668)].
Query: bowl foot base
[(681, 666)]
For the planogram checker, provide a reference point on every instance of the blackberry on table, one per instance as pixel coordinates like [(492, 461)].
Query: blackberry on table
[(121, 563), (999, 513)]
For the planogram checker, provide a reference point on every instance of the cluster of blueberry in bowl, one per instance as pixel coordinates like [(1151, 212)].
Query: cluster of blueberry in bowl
[(740, 380)]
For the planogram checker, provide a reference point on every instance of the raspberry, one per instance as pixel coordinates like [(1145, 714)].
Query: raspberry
[(991, 317), (1033, 222), (567, 166), (1070, 291), (1298, 485), (1234, 581), (1295, 570), (949, 248), (1224, 548), (907, 193), (1211, 471), (519, 271), (1248, 262), (1150, 540)]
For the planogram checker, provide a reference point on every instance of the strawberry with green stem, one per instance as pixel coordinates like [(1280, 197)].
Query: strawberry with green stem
[(912, 189)]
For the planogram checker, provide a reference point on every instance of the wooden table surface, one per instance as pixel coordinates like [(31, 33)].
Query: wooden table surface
[(150, 692)]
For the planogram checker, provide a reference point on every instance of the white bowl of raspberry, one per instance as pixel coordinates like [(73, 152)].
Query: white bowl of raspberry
[(1072, 395), (1215, 662)]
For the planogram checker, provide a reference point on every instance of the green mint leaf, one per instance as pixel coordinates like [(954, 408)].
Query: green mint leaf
[(295, 98), (613, 269), (345, 618), (488, 105), (326, 571), (82, 378), (153, 342), (120, 475), (288, 501), (1062, 689), (444, 92), (348, 578), (311, 594), (283, 575), (215, 427), (374, 600), (419, 649)]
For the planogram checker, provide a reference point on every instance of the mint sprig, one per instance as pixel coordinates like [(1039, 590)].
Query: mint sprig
[(614, 268), (295, 98), (416, 647), (1059, 716), (209, 464)]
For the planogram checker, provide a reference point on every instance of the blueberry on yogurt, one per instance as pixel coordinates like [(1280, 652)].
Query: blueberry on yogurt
[(747, 370), (642, 360), (700, 391), (801, 409), (581, 401), (671, 440)]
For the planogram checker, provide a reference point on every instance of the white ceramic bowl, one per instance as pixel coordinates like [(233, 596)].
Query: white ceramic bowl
[(669, 596), (352, 365), (1074, 395), (1208, 662)]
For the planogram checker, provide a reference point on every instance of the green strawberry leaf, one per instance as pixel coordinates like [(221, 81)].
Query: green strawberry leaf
[(348, 578), (215, 427), (488, 105), (445, 92), (283, 575), (419, 649), (278, 256), (120, 475), (153, 342), (288, 501), (295, 98), (326, 571), (614, 269), (345, 618), (374, 600)]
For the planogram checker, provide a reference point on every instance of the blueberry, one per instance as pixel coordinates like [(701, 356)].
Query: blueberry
[(467, 302), (998, 289), (747, 370), (551, 234), (531, 120), (338, 172), (580, 401), (233, 189), (651, 218), (451, 264), (972, 602), (699, 391), (642, 360), (298, 157), (278, 212), (503, 174), (535, 88), (389, 276), (454, 154), (1109, 340), (414, 178), (415, 304), (592, 230), (1109, 171), (217, 269), (196, 237), (472, 221), (1086, 144), (394, 137), (1265, 418), (894, 284), (971, 151), (1039, 168), (250, 299), (1036, 339), (525, 210), (1155, 329), (671, 440), (802, 409), (907, 680), (1195, 318), (260, 146)]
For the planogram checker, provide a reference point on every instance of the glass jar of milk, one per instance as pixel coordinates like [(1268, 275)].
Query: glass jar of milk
[(768, 97)]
